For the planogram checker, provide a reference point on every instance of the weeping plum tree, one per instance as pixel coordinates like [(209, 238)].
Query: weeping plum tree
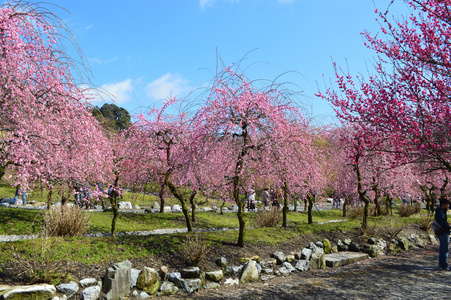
[(46, 132), (244, 120), (173, 155)]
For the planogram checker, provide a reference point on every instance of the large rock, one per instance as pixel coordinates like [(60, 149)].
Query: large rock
[(148, 280), (168, 288), (280, 257), (222, 263), (134, 274), (376, 249), (87, 282), (176, 208), (193, 272), (343, 258), (231, 281), (302, 265), (118, 280), (68, 289), (317, 261), (175, 278), (91, 293), (211, 285), (33, 292), (341, 246), (191, 285), (215, 276), (156, 206), (316, 249), (306, 253), (270, 263), (234, 270), (250, 272), (327, 246), (290, 258), (125, 205), (403, 243), (163, 272)]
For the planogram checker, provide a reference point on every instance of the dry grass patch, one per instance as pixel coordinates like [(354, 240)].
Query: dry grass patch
[(406, 210), (268, 218), (66, 221), (194, 249)]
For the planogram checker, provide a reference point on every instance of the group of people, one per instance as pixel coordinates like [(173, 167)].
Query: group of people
[(267, 199)]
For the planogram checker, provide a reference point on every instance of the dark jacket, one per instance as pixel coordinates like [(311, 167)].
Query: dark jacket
[(441, 218)]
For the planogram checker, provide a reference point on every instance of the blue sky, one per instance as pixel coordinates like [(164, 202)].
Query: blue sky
[(141, 51)]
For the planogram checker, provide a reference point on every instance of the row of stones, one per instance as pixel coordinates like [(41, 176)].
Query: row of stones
[(120, 279)]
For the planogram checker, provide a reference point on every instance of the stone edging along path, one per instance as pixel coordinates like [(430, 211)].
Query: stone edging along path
[(17, 237), (121, 280)]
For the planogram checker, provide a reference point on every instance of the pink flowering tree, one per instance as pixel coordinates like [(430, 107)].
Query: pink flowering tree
[(407, 98), (295, 162), (244, 120), (175, 155), (46, 132)]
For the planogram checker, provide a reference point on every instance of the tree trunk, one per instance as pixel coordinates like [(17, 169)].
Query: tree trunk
[(241, 222), (112, 196), (310, 199), (240, 203), (49, 198), (193, 206), (2, 171), (362, 193), (365, 213), (222, 207), (182, 200), (161, 196), (285, 205), (189, 226), (115, 215)]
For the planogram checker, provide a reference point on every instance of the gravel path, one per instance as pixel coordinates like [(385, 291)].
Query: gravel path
[(408, 275)]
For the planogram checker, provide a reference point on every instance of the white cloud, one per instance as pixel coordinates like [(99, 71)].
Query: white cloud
[(206, 3), (119, 91), (210, 3), (167, 85), (102, 61)]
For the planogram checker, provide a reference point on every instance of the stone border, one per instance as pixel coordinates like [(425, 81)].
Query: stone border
[(121, 280)]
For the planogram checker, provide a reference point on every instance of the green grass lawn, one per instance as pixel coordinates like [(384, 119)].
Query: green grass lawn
[(108, 249)]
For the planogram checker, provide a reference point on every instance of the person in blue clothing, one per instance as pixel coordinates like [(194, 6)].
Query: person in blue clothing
[(443, 233)]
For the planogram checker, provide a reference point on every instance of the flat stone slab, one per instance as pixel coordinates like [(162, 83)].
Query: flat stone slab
[(334, 260)]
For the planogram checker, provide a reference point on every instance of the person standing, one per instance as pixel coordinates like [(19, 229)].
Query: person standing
[(265, 197), (443, 233), (251, 200)]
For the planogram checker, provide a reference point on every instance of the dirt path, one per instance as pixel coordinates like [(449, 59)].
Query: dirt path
[(408, 275)]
